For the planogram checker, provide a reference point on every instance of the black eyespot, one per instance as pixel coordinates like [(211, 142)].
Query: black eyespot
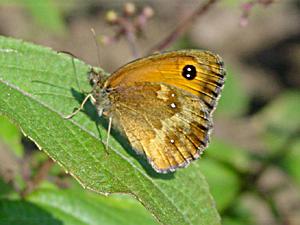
[(189, 72)]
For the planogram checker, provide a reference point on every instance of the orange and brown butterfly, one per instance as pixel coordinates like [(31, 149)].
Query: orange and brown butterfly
[(163, 104)]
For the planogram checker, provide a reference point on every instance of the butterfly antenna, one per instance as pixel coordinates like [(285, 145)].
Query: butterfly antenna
[(74, 67), (97, 45), (76, 76)]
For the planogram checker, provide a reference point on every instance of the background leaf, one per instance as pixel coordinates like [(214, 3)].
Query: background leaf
[(291, 162), (231, 155), (50, 205), (81, 207), (5, 188), (234, 100), (280, 120), (45, 13), (11, 136), (221, 180)]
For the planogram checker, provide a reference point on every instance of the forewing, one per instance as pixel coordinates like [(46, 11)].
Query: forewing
[(167, 68)]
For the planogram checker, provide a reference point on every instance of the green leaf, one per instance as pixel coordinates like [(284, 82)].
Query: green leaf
[(18, 212), (233, 221), (280, 120), (46, 14), (52, 206), (232, 155), (11, 136), (234, 101), (38, 87), (283, 112), (291, 162), (221, 180), (5, 188), (74, 207)]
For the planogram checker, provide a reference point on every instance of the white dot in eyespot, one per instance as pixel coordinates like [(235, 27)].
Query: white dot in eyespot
[(189, 69), (173, 95), (188, 75), (172, 141), (173, 105)]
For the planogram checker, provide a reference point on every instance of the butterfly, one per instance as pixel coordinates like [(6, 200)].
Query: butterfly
[(163, 104)]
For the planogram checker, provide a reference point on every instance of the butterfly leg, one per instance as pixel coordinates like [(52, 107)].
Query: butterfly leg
[(80, 107), (108, 133)]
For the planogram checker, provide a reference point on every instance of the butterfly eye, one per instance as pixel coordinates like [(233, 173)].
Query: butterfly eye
[(189, 72)]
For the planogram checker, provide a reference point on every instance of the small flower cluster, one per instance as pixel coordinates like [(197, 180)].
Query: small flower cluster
[(130, 23), (247, 8)]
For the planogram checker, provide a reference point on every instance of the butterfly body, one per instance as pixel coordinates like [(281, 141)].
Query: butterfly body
[(164, 104)]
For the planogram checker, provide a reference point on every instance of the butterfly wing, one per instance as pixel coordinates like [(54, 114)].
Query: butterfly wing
[(165, 109), (170, 126)]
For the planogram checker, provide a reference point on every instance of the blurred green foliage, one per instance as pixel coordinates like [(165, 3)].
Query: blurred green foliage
[(221, 180), (53, 206), (280, 121), (234, 101), (291, 161), (46, 13), (11, 136)]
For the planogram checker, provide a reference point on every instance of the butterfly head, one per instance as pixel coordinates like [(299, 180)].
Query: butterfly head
[(99, 92)]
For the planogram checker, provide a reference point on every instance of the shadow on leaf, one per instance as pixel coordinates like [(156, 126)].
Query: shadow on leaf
[(90, 110), (21, 212)]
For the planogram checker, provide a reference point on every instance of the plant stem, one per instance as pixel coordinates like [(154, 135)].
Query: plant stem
[(39, 177), (182, 27)]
